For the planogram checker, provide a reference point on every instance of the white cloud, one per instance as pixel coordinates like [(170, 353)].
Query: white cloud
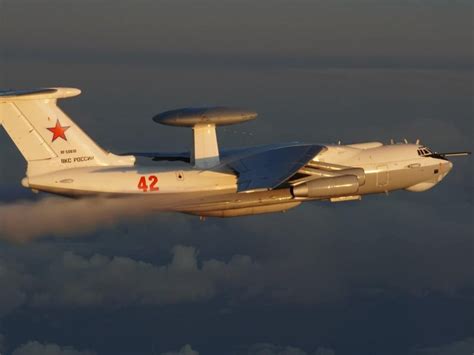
[(14, 284), (460, 347), (185, 350), (272, 349), (324, 351), (68, 279), (66, 217), (36, 348), (292, 267), (43, 276), (121, 280)]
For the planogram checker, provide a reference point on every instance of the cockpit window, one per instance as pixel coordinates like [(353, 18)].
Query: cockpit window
[(423, 151)]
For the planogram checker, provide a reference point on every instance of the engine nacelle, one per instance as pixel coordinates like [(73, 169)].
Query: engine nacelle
[(328, 187), (330, 170), (358, 172)]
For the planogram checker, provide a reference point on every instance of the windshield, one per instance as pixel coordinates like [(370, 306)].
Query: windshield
[(424, 151)]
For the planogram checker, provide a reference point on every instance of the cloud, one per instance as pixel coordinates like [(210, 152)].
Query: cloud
[(324, 351), (185, 350), (271, 349), (28, 220), (36, 348), (460, 347), (101, 280), (65, 279), (261, 349), (14, 283), (290, 267)]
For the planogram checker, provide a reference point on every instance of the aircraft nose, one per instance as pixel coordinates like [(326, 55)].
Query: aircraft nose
[(446, 167), (449, 166)]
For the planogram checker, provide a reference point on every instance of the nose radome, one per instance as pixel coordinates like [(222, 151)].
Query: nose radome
[(449, 166), (446, 168)]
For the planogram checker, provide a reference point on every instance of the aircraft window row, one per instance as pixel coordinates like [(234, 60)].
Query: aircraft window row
[(424, 151)]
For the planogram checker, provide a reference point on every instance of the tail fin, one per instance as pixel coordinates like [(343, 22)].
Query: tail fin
[(47, 138)]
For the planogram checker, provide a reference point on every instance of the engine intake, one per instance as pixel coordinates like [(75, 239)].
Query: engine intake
[(328, 187)]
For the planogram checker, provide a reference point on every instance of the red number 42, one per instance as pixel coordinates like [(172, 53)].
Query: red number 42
[(143, 185)]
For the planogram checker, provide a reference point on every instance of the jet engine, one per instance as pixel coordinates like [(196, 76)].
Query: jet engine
[(328, 187)]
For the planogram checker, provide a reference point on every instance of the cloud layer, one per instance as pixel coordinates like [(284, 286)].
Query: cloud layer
[(71, 280), (37, 348), (28, 220), (185, 350)]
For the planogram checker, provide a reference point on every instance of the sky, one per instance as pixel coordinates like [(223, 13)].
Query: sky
[(389, 275)]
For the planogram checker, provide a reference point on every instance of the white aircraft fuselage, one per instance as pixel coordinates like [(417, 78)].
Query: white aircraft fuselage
[(386, 167), (63, 160)]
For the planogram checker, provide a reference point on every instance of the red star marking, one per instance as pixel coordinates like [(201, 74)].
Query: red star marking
[(59, 131)]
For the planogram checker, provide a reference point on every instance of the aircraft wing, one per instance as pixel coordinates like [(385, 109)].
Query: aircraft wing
[(269, 166), (261, 167)]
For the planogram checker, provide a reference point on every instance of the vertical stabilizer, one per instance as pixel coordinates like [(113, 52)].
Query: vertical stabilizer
[(47, 138)]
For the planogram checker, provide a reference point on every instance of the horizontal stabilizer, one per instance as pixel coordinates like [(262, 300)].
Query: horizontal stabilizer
[(36, 94)]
